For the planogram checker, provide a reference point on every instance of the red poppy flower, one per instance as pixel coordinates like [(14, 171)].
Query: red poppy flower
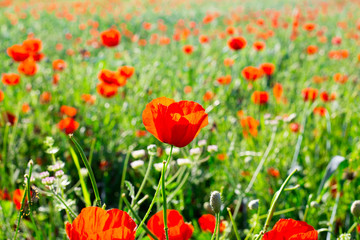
[(126, 71), (251, 73), (10, 118), (259, 46), (249, 126), (309, 94), (106, 90), (291, 230), (32, 45), (340, 78), (59, 65), (178, 229), (17, 198), (4, 195), (175, 123), (204, 39), (321, 111), (68, 125), (324, 96), (228, 62), (309, 27), (88, 98), (110, 38), (208, 96), (207, 223), (69, 111), (268, 68), (18, 53), (237, 43), (277, 91), (224, 80), (45, 97), (273, 172), (107, 76), (2, 96), (188, 49), (260, 97), (96, 223), (28, 67), (10, 79), (311, 50), (294, 127), (25, 108)]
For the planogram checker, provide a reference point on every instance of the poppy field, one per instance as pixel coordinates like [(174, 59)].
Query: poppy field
[(179, 119)]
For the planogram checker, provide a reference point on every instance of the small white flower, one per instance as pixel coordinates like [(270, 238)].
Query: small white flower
[(183, 161), (137, 164), (48, 181), (84, 172), (212, 148), (59, 173), (195, 151), (175, 151), (202, 143), (43, 175), (138, 153), (158, 166)]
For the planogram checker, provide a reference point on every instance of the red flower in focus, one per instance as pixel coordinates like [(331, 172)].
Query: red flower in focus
[(251, 73), (106, 90), (10, 79), (268, 68), (207, 223), (18, 53), (88, 98), (17, 198), (259, 46), (277, 91), (273, 172), (68, 111), (59, 65), (290, 229), (321, 111), (260, 97), (175, 123), (224, 80), (188, 49), (110, 38), (309, 94), (311, 50), (28, 67), (68, 125), (178, 229), (126, 71), (249, 126), (96, 223), (294, 127), (237, 43)]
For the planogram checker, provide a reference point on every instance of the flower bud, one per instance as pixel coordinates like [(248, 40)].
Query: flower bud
[(84, 172), (137, 164), (215, 201), (253, 204), (43, 175), (59, 173), (152, 149), (202, 143), (355, 208), (138, 153), (56, 167), (48, 181), (212, 148)]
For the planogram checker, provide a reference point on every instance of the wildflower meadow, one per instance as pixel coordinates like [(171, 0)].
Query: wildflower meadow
[(179, 119)]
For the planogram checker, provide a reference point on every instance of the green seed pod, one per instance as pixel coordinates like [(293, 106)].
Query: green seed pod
[(215, 201)]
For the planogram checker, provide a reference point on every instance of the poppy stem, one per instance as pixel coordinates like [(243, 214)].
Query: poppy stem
[(215, 233), (88, 167), (218, 226), (163, 187), (233, 224), (123, 177)]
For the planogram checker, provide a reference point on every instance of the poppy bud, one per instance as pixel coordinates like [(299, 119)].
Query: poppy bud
[(355, 208), (253, 204), (215, 201), (152, 150)]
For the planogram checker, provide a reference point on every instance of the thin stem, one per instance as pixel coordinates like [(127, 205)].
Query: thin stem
[(20, 213), (216, 226), (233, 224), (144, 180), (92, 148), (163, 187), (307, 207), (88, 167), (352, 227), (123, 176), (147, 230), (73, 214)]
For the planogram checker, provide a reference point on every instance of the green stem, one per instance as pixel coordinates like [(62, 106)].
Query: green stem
[(307, 207), (88, 167), (73, 214), (163, 187), (147, 230), (233, 224), (144, 180), (123, 176), (216, 227), (20, 213), (92, 148), (352, 227)]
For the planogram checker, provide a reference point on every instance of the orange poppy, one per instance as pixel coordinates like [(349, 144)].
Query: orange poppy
[(32, 45), (140, 133), (17, 198), (340, 78), (56, 78), (45, 97), (204, 39), (321, 111), (68, 111), (294, 127), (106, 90), (224, 80), (10, 79), (277, 91), (28, 67), (251, 73), (187, 89), (2, 96), (292, 230), (207, 223), (311, 50), (107, 76), (208, 96), (126, 71), (178, 229), (175, 123), (268, 68), (237, 43), (260, 97), (96, 223), (324, 96), (259, 46), (188, 49), (273, 172), (309, 27), (18, 53), (309, 94), (25, 108), (110, 38), (249, 126), (59, 65), (68, 125), (228, 62), (88, 98)]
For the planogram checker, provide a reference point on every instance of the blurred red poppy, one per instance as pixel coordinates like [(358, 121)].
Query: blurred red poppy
[(208, 96), (25, 108), (4, 195), (273, 172), (10, 79), (32, 45), (249, 126), (311, 50), (224, 80), (68, 111), (28, 67), (96, 223), (237, 43), (309, 94), (321, 111), (17, 198), (340, 78), (292, 230), (251, 73), (2, 96), (45, 97), (178, 229), (59, 65), (106, 90), (259, 46), (88, 98), (268, 68), (260, 97), (68, 125), (175, 123), (309, 27), (294, 127), (110, 38), (207, 223), (9, 118), (228, 62), (188, 49), (18, 53), (277, 91), (126, 71)]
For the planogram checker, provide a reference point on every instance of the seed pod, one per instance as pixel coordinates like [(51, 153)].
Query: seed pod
[(215, 201), (355, 208)]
